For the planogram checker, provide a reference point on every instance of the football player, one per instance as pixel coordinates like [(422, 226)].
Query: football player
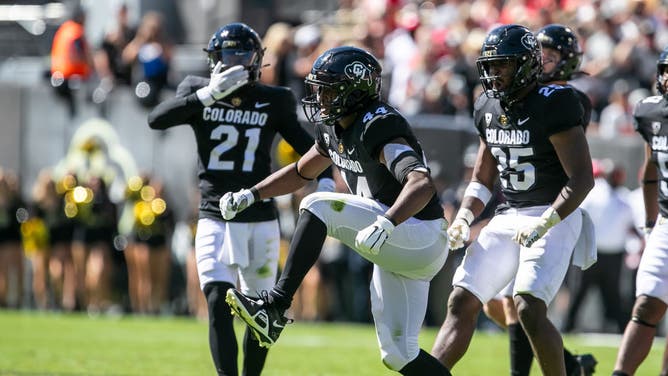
[(532, 138), (235, 120), (393, 217), (561, 58), (651, 121)]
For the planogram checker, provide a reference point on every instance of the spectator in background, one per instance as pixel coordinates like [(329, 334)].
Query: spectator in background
[(111, 69), (613, 222), (71, 58), (96, 226), (616, 117), (148, 254), (307, 39), (12, 213), (153, 54), (278, 44)]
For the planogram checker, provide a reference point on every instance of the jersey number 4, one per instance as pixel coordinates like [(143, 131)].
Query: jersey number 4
[(231, 140), (520, 176)]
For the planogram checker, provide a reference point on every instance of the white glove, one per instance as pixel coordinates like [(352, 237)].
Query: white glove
[(460, 229), (232, 203), (371, 238), (528, 235), (222, 83), (458, 234)]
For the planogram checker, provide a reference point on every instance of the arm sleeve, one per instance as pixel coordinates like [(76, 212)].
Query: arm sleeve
[(177, 110)]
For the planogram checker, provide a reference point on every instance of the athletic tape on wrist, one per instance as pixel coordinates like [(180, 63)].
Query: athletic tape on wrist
[(466, 214), (479, 191)]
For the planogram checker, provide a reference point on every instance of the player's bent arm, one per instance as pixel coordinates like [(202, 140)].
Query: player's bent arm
[(293, 176), (174, 111), (573, 152), (407, 167), (650, 190)]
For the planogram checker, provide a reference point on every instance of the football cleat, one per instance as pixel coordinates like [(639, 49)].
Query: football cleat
[(587, 364), (266, 322)]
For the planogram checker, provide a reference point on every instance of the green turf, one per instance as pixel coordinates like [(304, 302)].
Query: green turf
[(54, 344)]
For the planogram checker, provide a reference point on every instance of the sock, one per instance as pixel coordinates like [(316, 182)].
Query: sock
[(521, 354), (222, 342), (310, 233), (571, 363), (254, 355), (424, 364), (619, 373)]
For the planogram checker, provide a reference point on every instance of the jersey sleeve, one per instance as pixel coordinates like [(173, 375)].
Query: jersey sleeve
[(563, 111), (638, 114), (179, 109), (382, 129)]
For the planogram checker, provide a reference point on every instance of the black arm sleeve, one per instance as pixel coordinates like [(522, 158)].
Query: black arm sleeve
[(181, 108)]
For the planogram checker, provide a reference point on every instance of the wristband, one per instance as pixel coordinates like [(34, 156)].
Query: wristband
[(479, 191), (394, 223), (256, 194), (465, 214)]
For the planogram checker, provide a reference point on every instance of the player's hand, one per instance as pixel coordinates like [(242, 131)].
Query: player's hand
[(232, 203), (458, 233), (371, 238), (530, 234), (222, 83)]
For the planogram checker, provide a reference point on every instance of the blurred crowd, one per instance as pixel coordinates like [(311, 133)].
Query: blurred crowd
[(61, 248)]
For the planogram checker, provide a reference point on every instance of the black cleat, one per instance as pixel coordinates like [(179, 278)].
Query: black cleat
[(587, 365), (266, 322)]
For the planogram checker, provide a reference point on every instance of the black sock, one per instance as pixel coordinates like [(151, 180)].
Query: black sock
[(222, 342), (254, 355), (521, 353), (424, 364), (619, 373), (305, 248), (571, 363)]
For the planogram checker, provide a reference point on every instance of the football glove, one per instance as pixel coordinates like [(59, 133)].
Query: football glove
[(371, 238), (222, 83), (528, 235), (460, 230), (232, 203)]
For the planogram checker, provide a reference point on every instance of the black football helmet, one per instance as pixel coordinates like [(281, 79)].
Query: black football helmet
[(509, 43), (661, 79), (342, 81), (564, 40), (236, 44)]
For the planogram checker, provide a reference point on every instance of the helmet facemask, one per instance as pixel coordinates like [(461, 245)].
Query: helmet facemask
[(324, 102), (524, 75)]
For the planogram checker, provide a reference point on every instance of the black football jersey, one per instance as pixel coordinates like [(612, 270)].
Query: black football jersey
[(586, 106), (234, 139), (356, 149), (529, 168), (651, 121)]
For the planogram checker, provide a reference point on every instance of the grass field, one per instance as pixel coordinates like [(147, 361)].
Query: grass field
[(58, 344)]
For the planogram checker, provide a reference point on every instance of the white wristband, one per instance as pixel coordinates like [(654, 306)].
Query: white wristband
[(479, 191), (466, 214), (204, 96)]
